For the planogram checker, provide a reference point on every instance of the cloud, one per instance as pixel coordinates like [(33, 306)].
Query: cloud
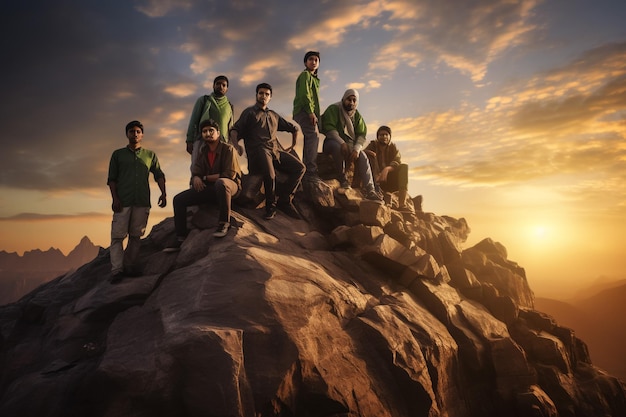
[(182, 89), (160, 8), (466, 36), (37, 217), (548, 129)]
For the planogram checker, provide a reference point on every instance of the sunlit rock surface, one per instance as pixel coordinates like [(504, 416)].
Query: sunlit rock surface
[(356, 310)]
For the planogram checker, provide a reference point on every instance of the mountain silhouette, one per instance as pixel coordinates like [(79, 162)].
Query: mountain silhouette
[(599, 319), (21, 274)]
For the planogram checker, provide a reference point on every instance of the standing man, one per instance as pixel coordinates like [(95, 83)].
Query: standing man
[(129, 170), (216, 179), (215, 107), (257, 126), (306, 112), (345, 132)]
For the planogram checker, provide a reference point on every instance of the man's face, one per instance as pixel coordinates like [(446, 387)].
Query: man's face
[(220, 87), (383, 137), (312, 63), (210, 134), (134, 135), (349, 103), (263, 96)]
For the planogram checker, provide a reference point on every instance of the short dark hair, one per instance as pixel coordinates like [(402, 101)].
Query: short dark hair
[(220, 78), (210, 123), (264, 85), (134, 123), (311, 53), (384, 129)]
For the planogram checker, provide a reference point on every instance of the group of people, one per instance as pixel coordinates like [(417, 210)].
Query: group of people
[(213, 139)]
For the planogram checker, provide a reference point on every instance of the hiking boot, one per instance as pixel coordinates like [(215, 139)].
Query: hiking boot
[(373, 195), (290, 210), (270, 213), (343, 181), (222, 230)]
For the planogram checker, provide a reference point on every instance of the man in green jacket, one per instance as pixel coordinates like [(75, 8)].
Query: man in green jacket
[(214, 106), (345, 132), (129, 170)]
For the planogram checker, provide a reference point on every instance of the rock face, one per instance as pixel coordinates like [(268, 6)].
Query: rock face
[(358, 310)]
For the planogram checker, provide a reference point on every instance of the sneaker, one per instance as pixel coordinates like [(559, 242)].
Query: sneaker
[(290, 210), (175, 247), (343, 181), (373, 195), (222, 230), (270, 213)]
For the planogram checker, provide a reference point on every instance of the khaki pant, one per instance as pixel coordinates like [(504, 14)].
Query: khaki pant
[(131, 222)]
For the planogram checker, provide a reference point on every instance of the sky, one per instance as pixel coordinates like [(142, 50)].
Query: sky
[(510, 113)]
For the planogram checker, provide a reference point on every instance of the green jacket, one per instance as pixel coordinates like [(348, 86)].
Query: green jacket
[(307, 94), (210, 107), (332, 120)]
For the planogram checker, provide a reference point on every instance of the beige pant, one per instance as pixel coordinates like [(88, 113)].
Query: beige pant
[(131, 222)]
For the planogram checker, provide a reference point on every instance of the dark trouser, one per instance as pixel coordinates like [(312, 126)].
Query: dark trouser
[(397, 180), (311, 143), (264, 163), (362, 170), (221, 192)]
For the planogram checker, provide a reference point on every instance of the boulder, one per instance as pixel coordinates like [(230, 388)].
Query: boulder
[(328, 316)]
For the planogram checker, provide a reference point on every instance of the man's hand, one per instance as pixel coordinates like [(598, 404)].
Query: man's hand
[(294, 140), (353, 155), (382, 177), (189, 147), (197, 183), (313, 119), (117, 205), (162, 200)]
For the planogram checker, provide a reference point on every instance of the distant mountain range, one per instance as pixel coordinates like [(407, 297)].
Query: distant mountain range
[(597, 316), (21, 274)]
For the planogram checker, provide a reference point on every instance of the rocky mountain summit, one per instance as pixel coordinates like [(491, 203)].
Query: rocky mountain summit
[(357, 310)]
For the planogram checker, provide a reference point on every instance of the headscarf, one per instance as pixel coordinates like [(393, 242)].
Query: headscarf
[(348, 125)]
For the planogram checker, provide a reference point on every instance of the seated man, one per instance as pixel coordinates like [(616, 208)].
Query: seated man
[(345, 135), (390, 174), (216, 178), (257, 126)]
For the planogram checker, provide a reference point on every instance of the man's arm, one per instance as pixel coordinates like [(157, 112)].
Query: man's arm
[(360, 130), (238, 128), (116, 206), (286, 126), (163, 198)]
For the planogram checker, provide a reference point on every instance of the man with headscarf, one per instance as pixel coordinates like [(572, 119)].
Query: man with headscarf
[(345, 132)]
